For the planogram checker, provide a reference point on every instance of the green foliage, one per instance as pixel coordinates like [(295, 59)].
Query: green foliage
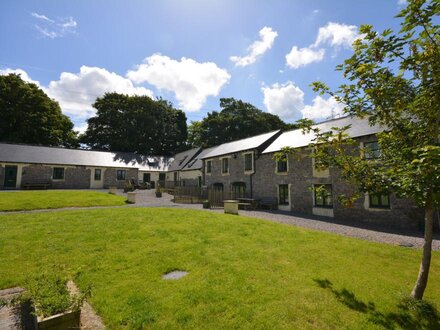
[(394, 82), (243, 272), (28, 115), (136, 124), (50, 296), (236, 120)]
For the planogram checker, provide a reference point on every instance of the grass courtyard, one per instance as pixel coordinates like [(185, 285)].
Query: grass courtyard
[(243, 272), (53, 199)]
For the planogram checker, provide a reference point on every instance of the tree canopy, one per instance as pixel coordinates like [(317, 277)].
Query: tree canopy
[(393, 81), (236, 120), (28, 115), (135, 124)]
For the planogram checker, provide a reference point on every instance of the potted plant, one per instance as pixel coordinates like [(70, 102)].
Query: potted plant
[(55, 307), (206, 204), (158, 191), (128, 186)]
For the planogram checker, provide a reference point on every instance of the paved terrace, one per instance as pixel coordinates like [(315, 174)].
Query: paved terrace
[(147, 198)]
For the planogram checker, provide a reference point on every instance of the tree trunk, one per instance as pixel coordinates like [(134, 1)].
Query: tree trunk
[(422, 278)]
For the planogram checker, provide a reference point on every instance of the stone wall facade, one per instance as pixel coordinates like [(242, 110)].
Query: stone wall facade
[(75, 177), (111, 179), (236, 172), (301, 177)]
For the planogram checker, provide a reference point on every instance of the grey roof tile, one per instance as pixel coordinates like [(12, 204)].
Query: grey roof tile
[(240, 145), (183, 158), (296, 138), (19, 153), (197, 163)]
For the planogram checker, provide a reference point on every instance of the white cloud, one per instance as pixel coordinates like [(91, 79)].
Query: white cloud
[(303, 56), (23, 74), (323, 108), (337, 35), (402, 2), (76, 92), (285, 100), (258, 48), (191, 82), (42, 17), (333, 34), (51, 28)]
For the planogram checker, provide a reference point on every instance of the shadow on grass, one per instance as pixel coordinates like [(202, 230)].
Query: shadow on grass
[(409, 314)]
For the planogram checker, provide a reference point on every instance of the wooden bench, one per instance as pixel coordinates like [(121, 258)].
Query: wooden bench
[(41, 184), (269, 203), (245, 206)]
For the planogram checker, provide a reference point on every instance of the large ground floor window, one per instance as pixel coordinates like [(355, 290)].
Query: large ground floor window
[(323, 195), (238, 189), (283, 194)]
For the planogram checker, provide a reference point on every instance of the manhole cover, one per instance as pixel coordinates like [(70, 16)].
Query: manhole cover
[(174, 275), (406, 244)]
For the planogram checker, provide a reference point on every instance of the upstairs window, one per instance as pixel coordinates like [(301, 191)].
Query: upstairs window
[(225, 165), (248, 162), (323, 195), (208, 166), (381, 201), (372, 150), (282, 166), (58, 173), (121, 174)]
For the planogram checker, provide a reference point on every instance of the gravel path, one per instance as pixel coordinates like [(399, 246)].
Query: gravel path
[(146, 198)]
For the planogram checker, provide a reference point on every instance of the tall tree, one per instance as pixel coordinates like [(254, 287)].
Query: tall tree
[(236, 120), (28, 115), (136, 124), (394, 81)]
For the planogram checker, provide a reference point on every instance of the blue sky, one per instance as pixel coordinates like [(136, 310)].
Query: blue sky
[(189, 52)]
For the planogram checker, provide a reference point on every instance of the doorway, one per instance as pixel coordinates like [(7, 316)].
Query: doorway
[(10, 176)]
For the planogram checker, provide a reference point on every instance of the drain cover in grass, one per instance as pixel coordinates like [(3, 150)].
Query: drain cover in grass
[(174, 275)]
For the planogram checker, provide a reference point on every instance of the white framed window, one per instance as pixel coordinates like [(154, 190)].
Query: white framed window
[(225, 165), (282, 166), (249, 162), (208, 166)]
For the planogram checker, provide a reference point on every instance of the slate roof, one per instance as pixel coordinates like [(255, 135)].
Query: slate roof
[(183, 158), (196, 163), (19, 153), (296, 138), (240, 145)]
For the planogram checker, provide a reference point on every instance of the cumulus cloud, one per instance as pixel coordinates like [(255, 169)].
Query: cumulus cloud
[(76, 92), (54, 28), (287, 101), (402, 3), (303, 56), (323, 108), (257, 48), (337, 35), (333, 34), (190, 81), (23, 74)]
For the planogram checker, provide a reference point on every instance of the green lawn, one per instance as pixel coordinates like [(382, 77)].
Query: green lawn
[(54, 199), (243, 272)]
